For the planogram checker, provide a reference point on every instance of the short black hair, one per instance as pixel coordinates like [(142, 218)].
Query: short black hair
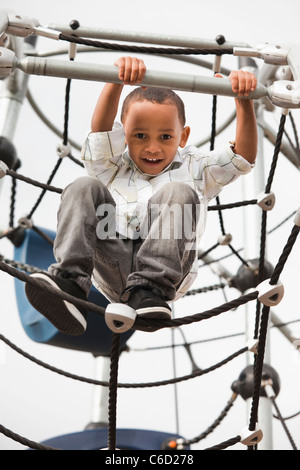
[(155, 95)]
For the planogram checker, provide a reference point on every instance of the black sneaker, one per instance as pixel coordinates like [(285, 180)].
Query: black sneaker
[(65, 316), (149, 304)]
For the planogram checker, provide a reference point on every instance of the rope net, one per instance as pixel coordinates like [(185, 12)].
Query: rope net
[(21, 272)]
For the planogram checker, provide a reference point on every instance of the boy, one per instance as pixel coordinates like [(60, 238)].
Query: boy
[(135, 221)]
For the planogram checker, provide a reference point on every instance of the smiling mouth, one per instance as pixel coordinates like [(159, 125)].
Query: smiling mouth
[(152, 160)]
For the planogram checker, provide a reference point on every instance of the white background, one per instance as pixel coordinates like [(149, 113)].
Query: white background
[(39, 404)]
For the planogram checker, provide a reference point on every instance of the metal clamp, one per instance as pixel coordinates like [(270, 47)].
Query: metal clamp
[(25, 26), (252, 345), (297, 218), (251, 438), (270, 295), (285, 93), (266, 201), (22, 26), (7, 62), (3, 169), (63, 150), (24, 222), (119, 317), (225, 239), (270, 53), (268, 387)]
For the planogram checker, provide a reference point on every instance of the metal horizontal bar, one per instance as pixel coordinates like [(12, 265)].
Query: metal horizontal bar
[(143, 37), (109, 73)]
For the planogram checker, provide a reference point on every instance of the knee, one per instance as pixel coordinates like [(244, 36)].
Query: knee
[(181, 193), (82, 183), (86, 185)]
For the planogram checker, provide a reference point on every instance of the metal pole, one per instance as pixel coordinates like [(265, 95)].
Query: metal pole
[(12, 93), (100, 397), (109, 73), (144, 37)]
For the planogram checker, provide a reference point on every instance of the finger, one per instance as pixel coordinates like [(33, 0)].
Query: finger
[(241, 83), (248, 83), (142, 71), (138, 71), (233, 77), (120, 63), (127, 70), (253, 82)]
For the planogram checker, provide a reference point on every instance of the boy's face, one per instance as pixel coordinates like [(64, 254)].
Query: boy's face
[(153, 134)]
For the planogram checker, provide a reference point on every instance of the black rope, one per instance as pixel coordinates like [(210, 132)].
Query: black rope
[(39, 200), (292, 442), (212, 146), (196, 373), (209, 250), (214, 425), (224, 445), (12, 202), (43, 235), (285, 254), (259, 359), (232, 205), (144, 49), (23, 440), (139, 321), (67, 106), (258, 366), (15, 175), (65, 140), (113, 386), (218, 206), (264, 215), (276, 153), (288, 417)]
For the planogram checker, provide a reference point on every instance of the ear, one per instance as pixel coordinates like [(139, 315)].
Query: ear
[(184, 136)]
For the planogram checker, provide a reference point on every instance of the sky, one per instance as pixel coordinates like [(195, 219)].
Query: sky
[(39, 404)]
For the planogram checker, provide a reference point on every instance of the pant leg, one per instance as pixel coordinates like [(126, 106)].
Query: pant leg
[(76, 239), (169, 236), (81, 249)]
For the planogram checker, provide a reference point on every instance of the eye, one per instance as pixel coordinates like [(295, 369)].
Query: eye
[(140, 135), (166, 137)]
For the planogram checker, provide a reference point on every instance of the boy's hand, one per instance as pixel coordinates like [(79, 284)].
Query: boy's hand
[(242, 82), (131, 70)]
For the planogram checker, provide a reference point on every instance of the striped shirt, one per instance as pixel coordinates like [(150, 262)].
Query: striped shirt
[(105, 157)]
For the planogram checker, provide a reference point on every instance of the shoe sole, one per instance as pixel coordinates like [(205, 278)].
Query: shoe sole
[(61, 313), (154, 313)]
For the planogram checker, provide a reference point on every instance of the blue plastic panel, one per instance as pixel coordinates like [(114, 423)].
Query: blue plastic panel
[(126, 439), (36, 251)]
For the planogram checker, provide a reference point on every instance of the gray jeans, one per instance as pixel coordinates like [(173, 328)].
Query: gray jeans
[(150, 259)]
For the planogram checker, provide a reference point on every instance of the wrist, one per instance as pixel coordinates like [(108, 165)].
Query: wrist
[(244, 103)]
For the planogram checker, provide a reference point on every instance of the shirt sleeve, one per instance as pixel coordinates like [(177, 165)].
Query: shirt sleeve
[(104, 145), (102, 153), (219, 168)]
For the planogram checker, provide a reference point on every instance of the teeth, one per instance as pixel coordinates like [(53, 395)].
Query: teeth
[(152, 159)]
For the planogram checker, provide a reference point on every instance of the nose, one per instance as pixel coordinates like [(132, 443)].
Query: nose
[(152, 146)]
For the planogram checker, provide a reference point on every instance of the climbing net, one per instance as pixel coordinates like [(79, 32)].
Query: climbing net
[(267, 293)]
